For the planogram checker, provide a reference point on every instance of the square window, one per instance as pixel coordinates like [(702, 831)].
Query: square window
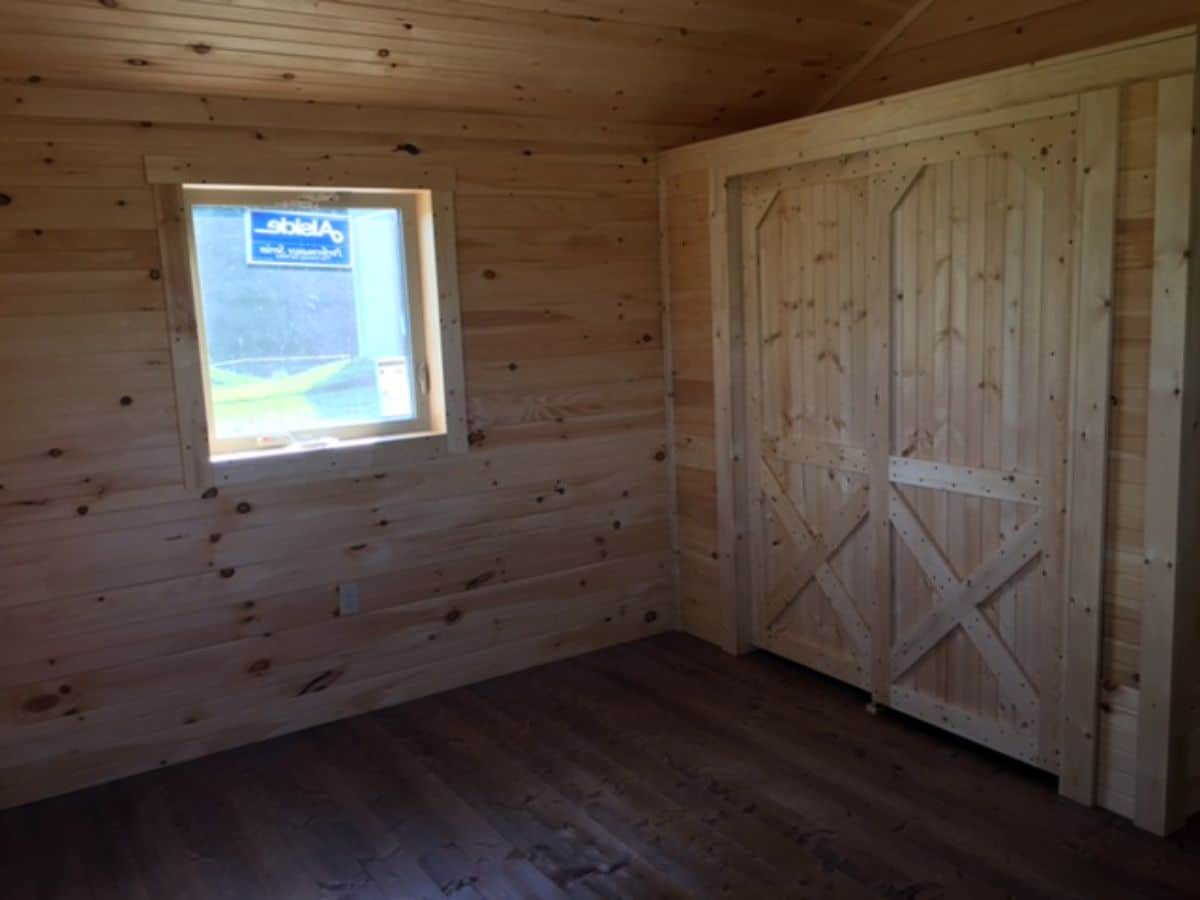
[(318, 328), (307, 316)]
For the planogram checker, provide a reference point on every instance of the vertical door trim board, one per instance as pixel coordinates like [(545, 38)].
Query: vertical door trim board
[(1169, 614), (1091, 385), (668, 345), (729, 407)]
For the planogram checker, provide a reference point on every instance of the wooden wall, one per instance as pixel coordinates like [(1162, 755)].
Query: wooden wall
[(687, 179), (142, 624)]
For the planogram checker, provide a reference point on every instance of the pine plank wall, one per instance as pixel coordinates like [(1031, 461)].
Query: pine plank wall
[(141, 623)]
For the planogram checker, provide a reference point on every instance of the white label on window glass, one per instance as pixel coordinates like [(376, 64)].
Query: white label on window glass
[(395, 387), (297, 238)]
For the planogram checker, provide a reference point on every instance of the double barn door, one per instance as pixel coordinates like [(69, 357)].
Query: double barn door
[(907, 360)]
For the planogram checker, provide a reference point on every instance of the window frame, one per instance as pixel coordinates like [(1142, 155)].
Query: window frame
[(434, 316), (407, 203)]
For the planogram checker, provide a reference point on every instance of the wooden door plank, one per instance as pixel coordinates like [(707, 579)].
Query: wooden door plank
[(758, 376), (962, 596), (785, 509), (998, 655), (942, 387), (881, 202), (924, 547), (1007, 607), (860, 561), (800, 572), (803, 568), (1031, 598), (970, 725), (991, 385), (853, 626), (803, 450), (994, 484), (958, 545), (1058, 277), (973, 675)]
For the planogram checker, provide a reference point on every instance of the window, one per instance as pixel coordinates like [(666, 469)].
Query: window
[(307, 316), (321, 333)]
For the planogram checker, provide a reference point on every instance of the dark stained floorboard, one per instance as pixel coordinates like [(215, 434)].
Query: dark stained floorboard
[(659, 769)]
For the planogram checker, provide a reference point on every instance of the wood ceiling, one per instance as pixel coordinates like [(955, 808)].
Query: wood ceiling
[(715, 64)]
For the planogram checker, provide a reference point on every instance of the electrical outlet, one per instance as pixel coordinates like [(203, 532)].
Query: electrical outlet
[(347, 599)]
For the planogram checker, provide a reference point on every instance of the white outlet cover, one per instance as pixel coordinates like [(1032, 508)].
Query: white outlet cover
[(348, 599)]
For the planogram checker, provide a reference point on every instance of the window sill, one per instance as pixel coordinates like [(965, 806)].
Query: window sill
[(346, 459)]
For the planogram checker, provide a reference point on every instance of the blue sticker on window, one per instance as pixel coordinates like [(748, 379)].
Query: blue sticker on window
[(277, 237)]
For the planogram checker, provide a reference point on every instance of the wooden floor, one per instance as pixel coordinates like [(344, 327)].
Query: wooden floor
[(656, 769)]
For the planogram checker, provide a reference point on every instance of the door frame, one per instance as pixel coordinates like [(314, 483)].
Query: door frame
[(735, 342)]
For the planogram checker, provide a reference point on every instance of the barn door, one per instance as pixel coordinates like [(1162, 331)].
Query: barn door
[(907, 411), (808, 271), (973, 291)]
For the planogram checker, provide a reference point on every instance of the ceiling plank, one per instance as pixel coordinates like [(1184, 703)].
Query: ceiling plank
[(700, 65), (851, 72), (951, 41), (728, 64)]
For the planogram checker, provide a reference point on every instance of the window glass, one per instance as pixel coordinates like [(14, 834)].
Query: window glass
[(306, 321)]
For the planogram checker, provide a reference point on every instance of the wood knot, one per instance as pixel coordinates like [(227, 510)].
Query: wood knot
[(480, 579), (651, 616), (660, 455), (201, 49), (243, 507), (489, 274), (5, 200), (209, 494), (476, 437), (127, 400), (453, 616), (41, 703), (259, 667), (322, 681), (228, 572), (54, 452), (383, 52)]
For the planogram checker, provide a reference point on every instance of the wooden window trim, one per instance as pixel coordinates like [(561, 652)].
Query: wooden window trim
[(434, 192)]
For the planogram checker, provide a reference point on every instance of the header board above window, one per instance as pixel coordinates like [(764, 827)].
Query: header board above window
[(315, 330)]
